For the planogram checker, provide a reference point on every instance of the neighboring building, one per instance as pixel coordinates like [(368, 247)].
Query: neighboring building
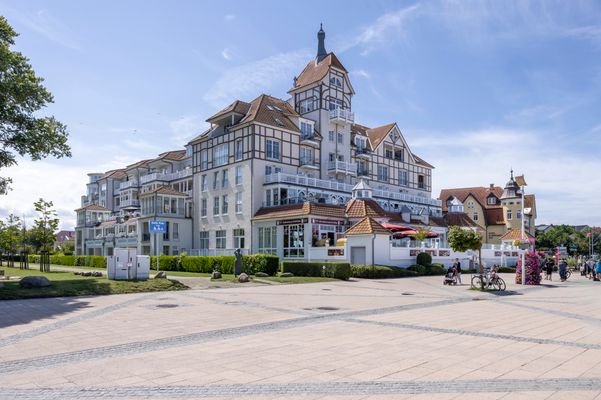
[(261, 162), (494, 209), (63, 238), (119, 205)]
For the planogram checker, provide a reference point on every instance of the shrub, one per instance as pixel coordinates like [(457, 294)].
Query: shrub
[(419, 269), (265, 263), (380, 272), (338, 270), (423, 259), (507, 269), (435, 269)]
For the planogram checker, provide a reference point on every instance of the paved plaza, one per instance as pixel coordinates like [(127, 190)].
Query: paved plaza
[(363, 339)]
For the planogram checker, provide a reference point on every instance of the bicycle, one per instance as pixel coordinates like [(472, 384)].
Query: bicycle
[(488, 281)]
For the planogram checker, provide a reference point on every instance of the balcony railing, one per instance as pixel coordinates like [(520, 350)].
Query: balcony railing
[(306, 181), (309, 138), (128, 184), (340, 115), (362, 172), (130, 203), (309, 162), (343, 167), (363, 151), (167, 177)]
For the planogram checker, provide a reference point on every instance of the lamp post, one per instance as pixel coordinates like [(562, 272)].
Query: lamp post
[(522, 182)]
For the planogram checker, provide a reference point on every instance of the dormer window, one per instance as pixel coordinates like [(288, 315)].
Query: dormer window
[(335, 81), (491, 201), (307, 105)]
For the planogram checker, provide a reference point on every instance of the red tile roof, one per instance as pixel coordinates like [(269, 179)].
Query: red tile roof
[(237, 107), (454, 219), (359, 208), (174, 155), (367, 226), (494, 216), (264, 109), (297, 210), (516, 234), (479, 193), (316, 71)]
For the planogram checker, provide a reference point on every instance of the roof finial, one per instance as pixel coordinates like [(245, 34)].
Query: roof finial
[(512, 173), (321, 48)]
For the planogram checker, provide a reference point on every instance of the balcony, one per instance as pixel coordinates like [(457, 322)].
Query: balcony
[(134, 203), (130, 241), (363, 152), (166, 177), (362, 172), (129, 184), (342, 117), (332, 185), (309, 163), (309, 140), (342, 167)]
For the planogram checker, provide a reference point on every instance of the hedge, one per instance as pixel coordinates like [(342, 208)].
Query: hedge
[(337, 270), (255, 263), (433, 269), (206, 264), (75, 261), (380, 272)]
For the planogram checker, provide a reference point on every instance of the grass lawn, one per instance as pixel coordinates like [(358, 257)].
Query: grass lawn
[(297, 279), (67, 284)]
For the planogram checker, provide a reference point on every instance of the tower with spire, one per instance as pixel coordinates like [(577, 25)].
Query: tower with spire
[(511, 202)]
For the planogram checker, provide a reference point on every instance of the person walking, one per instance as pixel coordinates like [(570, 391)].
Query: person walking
[(457, 267), (563, 267), (549, 268)]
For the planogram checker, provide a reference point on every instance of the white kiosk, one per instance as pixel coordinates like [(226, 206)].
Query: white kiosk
[(125, 264)]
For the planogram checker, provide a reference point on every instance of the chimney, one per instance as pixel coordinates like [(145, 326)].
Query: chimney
[(492, 187)]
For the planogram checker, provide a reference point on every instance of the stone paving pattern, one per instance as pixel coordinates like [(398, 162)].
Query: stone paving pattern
[(363, 339)]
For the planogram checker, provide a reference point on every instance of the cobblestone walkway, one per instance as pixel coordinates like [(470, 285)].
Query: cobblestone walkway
[(389, 339)]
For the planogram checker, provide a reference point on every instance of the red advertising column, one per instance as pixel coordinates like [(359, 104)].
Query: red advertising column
[(557, 256)]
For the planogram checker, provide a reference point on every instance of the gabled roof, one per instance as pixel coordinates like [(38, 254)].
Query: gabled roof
[(93, 207), (376, 135), (359, 208), (529, 201), (174, 155), (494, 216), (516, 234), (298, 210), (421, 161), (115, 174), (143, 163), (367, 226), (237, 107), (316, 71), (479, 193), (454, 219), (164, 190), (271, 111)]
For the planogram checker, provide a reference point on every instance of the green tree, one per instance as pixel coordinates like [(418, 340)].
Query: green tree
[(22, 131), (45, 226), (10, 234), (464, 240), (421, 234)]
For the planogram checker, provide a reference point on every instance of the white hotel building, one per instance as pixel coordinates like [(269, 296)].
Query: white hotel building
[(248, 181)]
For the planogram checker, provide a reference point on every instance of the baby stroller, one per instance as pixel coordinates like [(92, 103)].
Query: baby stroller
[(449, 278)]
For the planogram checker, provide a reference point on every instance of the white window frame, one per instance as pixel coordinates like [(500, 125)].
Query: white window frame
[(273, 149), (238, 202), (383, 177), (216, 205), (224, 205), (224, 178), (204, 183), (403, 177), (220, 154), (268, 240), (238, 175), (239, 238), (239, 150), (221, 239), (203, 207)]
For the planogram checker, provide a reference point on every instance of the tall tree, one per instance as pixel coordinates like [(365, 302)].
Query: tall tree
[(22, 131), (45, 226)]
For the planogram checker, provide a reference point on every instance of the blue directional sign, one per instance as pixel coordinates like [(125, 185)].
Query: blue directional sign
[(158, 226)]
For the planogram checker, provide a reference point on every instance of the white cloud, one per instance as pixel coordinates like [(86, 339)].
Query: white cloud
[(361, 73), (226, 53), (249, 80), (229, 17), (41, 179), (380, 31), (564, 182)]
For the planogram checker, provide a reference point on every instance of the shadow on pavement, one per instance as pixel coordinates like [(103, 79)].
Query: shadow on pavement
[(19, 312)]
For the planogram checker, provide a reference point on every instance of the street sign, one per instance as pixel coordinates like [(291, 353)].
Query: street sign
[(158, 226)]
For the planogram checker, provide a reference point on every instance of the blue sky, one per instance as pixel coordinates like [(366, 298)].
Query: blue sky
[(476, 87)]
